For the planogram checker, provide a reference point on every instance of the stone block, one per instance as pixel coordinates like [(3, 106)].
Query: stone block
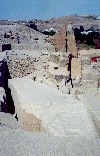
[(60, 114), (76, 72)]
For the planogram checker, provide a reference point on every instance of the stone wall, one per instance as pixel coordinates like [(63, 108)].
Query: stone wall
[(76, 73), (65, 41), (71, 44), (60, 39), (20, 66)]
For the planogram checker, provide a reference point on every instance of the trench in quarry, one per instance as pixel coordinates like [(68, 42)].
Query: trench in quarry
[(8, 105)]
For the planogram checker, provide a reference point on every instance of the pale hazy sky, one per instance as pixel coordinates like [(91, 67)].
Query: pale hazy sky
[(44, 9)]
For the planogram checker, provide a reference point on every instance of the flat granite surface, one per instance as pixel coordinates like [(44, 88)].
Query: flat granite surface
[(17, 142), (61, 114)]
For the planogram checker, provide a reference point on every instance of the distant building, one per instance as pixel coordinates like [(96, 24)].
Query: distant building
[(50, 31), (98, 17)]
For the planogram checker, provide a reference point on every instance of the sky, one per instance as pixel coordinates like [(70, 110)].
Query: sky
[(45, 9)]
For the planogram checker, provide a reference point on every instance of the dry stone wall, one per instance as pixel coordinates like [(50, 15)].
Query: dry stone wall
[(20, 66)]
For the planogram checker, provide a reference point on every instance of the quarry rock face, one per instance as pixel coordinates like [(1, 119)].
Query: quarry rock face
[(3, 83)]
